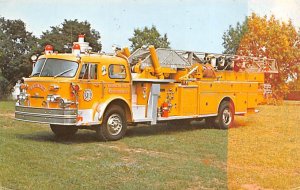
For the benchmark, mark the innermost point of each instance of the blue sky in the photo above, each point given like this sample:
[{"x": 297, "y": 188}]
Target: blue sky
[{"x": 190, "y": 24}]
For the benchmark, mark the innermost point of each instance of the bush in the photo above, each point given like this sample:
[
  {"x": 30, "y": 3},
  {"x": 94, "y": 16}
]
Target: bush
[{"x": 4, "y": 88}]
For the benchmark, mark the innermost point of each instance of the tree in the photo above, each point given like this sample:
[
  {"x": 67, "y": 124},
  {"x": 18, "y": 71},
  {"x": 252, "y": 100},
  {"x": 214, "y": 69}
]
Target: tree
[
  {"x": 16, "y": 46},
  {"x": 148, "y": 36},
  {"x": 232, "y": 37},
  {"x": 271, "y": 38},
  {"x": 67, "y": 33}
]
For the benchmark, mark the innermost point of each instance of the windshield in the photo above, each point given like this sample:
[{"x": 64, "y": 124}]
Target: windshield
[{"x": 54, "y": 68}]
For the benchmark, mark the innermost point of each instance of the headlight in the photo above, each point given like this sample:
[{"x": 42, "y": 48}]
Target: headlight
[
  {"x": 56, "y": 97},
  {"x": 48, "y": 98},
  {"x": 64, "y": 103},
  {"x": 53, "y": 98}
]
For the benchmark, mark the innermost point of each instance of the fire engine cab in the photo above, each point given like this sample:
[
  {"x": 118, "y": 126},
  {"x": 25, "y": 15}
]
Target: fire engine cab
[{"x": 105, "y": 93}]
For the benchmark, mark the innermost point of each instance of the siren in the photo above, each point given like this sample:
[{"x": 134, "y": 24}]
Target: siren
[
  {"x": 76, "y": 49},
  {"x": 81, "y": 44},
  {"x": 81, "y": 38},
  {"x": 48, "y": 49}
]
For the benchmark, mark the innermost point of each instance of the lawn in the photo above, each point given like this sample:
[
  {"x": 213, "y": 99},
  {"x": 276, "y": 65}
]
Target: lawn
[
  {"x": 261, "y": 151},
  {"x": 149, "y": 157},
  {"x": 264, "y": 149}
]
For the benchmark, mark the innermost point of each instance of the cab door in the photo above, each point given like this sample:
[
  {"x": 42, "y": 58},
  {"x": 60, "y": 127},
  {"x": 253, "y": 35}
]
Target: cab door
[{"x": 90, "y": 91}]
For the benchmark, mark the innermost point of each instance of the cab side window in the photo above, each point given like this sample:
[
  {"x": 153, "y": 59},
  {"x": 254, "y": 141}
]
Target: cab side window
[
  {"x": 88, "y": 71},
  {"x": 117, "y": 71}
]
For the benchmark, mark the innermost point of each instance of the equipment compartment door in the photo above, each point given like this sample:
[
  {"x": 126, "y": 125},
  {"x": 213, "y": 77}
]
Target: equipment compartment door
[{"x": 188, "y": 100}]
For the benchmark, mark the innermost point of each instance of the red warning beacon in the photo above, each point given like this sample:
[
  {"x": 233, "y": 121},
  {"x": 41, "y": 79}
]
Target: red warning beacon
[
  {"x": 76, "y": 49},
  {"x": 48, "y": 49}
]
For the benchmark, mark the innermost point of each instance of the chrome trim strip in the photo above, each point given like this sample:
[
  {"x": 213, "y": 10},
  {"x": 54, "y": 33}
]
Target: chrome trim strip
[
  {"x": 142, "y": 120},
  {"x": 185, "y": 117},
  {"x": 56, "y": 111},
  {"x": 47, "y": 108},
  {"x": 43, "y": 122},
  {"x": 46, "y": 115},
  {"x": 174, "y": 118},
  {"x": 240, "y": 113}
]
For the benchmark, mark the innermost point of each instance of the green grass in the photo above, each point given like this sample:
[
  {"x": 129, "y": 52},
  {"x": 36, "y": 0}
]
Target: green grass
[
  {"x": 149, "y": 157},
  {"x": 264, "y": 151},
  {"x": 7, "y": 106}
]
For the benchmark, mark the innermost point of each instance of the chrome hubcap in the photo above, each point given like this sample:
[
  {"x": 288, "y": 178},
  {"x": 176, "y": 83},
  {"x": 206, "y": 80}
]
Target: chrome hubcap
[
  {"x": 114, "y": 124},
  {"x": 227, "y": 117}
]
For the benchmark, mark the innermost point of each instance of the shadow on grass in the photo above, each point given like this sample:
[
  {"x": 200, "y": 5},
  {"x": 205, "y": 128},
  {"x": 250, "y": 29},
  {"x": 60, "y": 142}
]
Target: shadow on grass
[
  {"x": 87, "y": 136},
  {"x": 159, "y": 129},
  {"x": 82, "y": 136}
]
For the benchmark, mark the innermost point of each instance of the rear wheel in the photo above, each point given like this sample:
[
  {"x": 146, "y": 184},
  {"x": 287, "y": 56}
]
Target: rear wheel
[
  {"x": 63, "y": 130},
  {"x": 113, "y": 126},
  {"x": 225, "y": 116}
]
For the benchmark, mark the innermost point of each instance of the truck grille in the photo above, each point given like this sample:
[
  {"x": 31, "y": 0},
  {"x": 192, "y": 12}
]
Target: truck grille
[{"x": 46, "y": 115}]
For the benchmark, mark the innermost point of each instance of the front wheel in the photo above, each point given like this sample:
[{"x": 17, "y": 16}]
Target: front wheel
[
  {"x": 114, "y": 124},
  {"x": 63, "y": 131}
]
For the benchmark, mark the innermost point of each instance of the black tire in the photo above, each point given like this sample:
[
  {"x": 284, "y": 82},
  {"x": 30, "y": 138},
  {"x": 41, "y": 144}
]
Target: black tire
[
  {"x": 225, "y": 117},
  {"x": 113, "y": 126},
  {"x": 63, "y": 130},
  {"x": 178, "y": 123}
]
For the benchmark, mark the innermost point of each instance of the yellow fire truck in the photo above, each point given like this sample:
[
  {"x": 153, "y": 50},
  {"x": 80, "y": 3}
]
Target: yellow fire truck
[{"x": 105, "y": 93}]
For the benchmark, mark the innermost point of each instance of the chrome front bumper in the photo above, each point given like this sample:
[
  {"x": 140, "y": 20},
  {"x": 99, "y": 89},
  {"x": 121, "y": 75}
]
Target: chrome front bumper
[{"x": 46, "y": 115}]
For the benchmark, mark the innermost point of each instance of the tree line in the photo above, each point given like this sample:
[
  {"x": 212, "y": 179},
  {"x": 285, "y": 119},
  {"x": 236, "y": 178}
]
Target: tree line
[{"x": 256, "y": 36}]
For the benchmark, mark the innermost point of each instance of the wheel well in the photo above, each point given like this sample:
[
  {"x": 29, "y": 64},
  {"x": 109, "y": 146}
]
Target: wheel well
[
  {"x": 227, "y": 99},
  {"x": 123, "y": 105}
]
